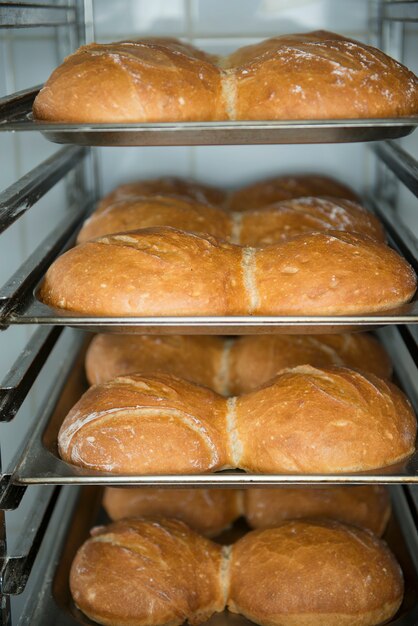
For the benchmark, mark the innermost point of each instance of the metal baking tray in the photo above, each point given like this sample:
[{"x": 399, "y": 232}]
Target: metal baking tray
[
  {"x": 55, "y": 605},
  {"x": 216, "y": 133},
  {"x": 33, "y": 311},
  {"x": 40, "y": 463}
]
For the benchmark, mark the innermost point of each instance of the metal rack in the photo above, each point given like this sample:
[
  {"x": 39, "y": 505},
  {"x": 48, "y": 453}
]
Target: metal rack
[{"x": 37, "y": 462}]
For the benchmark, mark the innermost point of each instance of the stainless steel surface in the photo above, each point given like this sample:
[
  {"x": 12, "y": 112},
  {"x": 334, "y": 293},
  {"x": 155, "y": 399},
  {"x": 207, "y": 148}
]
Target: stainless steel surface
[
  {"x": 400, "y": 162},
  {"x": 22, "y": 374},
  {"x": 55, "y": 605},
  {"x": 34, "y": 312},
  {"x": 215, "y": 133},
  {"x": 40, "y": 462},
  {"x": 400, "y": 10},
  {"x": 24, "y": 193},
  {"x": 27, "y": 15}
]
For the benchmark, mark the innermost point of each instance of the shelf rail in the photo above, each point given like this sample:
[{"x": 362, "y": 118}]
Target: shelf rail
[{"x": 29, "y": 15}]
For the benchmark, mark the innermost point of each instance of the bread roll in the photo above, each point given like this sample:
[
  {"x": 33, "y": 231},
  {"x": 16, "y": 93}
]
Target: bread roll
[
  {"x": 261, "y": 227},
  {"x": 199, "y": 359},
  {"x": 314, "y": 574},
  {"x": 208, "y": 511},
  {"x": 331, "y": 273},
  {"x": 230, "y": 367},
  {"x": 306, "y": 420},
  {"x": 310, "y": 420},
  {"x": 149, "y": 80},
  {"x": 256, "y": 359},
  {"x": 163, "y": 271},
  {"x": 143, "y": 212},
  {"x": 147, "y": 573},
  {"x": 167, "y": 185},
  {"x": 366, "y": 507},
  {"x": 317, "y": 75},
  {"x": 286, "y": 219},
  {"x": 278, "y": 188},
  {"x": 147, "y": 425},
  {"x": 304, "y": 76}
]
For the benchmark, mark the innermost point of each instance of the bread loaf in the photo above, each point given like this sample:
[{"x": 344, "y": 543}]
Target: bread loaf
[
  {"x": 366, "y": 507},
  {"x": 314, "y": 574},
  {"x": 311, "y": 420},
  {"x": 230, "y": 367},
  {"x": 304, "y": 76},
  {"x": 148, "y": 573},
  {"x": 317, "y": 75},
  {"x": 143, "y": 212},
  {"x": 167, "y": 185},
  {"x": 272, "y": 224},
  {"x": 149, "y": 80},
  {"x": 278, "y": 188},
  {"x": 307, "y": 420},
  {"x": 208, "y": 511},
  {"x": 147, "y": 425},
  {"x": 163, "y": 271}
]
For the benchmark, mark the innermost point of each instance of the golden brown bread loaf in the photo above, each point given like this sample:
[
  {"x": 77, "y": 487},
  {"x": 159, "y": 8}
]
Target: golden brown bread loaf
[
  {"x": 148, "y": 573},
  {"x": 164, "y": 271},
  {"x": 311, "y": 420},
  {"x": 261, "y": 227},
  {"x": 306, "y": 420},
  {"x": 278, "y": 188},
  {"x": 152, "y": 80},
  {"x": 363, "y": 506},
  {"x": 142, "y": 424},
  {"x": 167, "y": 185},
  {"x": 317, "y": 75},
  {"x": 314, "y": 574},
  {"x": 303, "y": 76},
  {"x": 230, "y": 367},
  {"x": 208, "y": 511},
  {"x": 143, "y": 212},
  {"x": 254, "y": 360}
]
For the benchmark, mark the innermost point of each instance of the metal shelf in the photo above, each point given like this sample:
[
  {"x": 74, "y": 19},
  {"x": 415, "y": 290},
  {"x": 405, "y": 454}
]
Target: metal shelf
[
  {"x": 28, "y": 15},
  {"x": 52, "y": 603},
  {"x": 16, "y": 115},
  {"x": 39, "y": 462}
]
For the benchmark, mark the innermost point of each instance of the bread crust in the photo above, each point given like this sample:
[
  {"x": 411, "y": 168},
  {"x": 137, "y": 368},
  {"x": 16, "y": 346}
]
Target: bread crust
[
  {"x": 230, "y": 366},
  {"x": 208, "y": 511},
  {"x": 273, "y": 224},
  {"x": 310, "y": 420},
  {"x": 147, "y": 573},
  {"x": 313, "y": 573},
  {"x": 287, "y": 187},
  {"x": 303, "y": 76},
  {"x": 365, "y": 506},
  {"x": 307, "y": 420},
  {"x": 164, "y": 271}
]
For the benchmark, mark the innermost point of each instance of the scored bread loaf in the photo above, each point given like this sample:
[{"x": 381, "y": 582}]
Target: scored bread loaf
[
  {"x": 303, "y": 76},
  {"x": 142, "y": 212},
  {"x": 261, "y": 227},
  {"x": 366, "y": 507},
  {"x": 208, "y": 511},
  {"x": 307, "y": 573},
  {"x": 230, "y": 366},
  {"x": 148, "y": 573},
  {"x": 278, "y": 188},
  {"x": 306, "y": 420},
  {"x": 171, "y": 186},
  {"x": 164, "y": 271}
]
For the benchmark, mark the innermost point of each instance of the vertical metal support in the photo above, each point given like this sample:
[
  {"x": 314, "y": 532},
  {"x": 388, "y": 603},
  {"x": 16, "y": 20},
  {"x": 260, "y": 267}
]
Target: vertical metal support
[{"x": 5, "y": 613}]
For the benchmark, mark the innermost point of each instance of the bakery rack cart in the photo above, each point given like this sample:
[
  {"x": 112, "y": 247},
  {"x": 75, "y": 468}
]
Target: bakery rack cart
[{"x": 36, "y": 474}]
